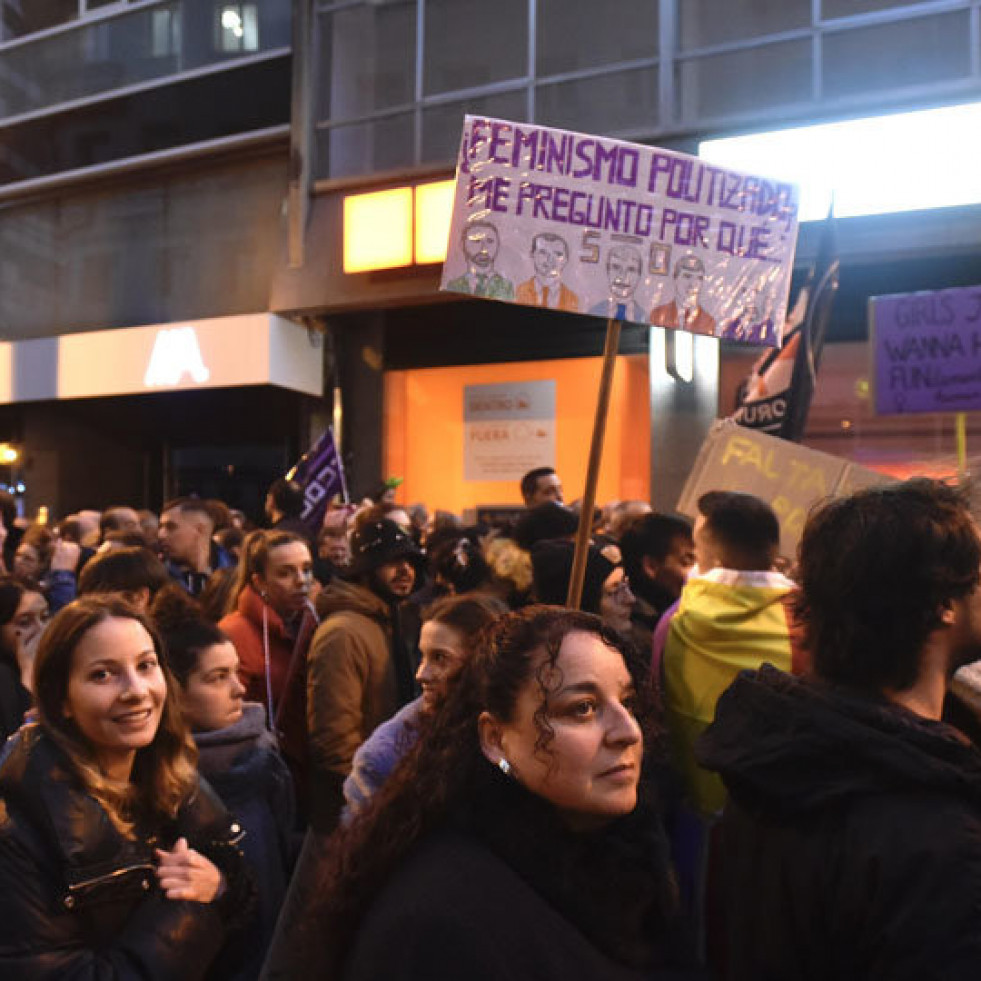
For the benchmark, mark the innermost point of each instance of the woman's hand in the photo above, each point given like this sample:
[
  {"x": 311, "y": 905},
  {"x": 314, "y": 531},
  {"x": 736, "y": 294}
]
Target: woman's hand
[{"x": 186, "y": 874}]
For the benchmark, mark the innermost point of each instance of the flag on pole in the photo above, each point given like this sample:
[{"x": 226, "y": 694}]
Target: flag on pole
[
  {"x": 776, "y": 396},
  {"x": 320, "y": 472}
]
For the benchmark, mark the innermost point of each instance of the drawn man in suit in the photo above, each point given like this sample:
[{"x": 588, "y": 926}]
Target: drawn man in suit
[
  {"x": 752, "y": 322},
  {"x": 624, "y": 269},
  {"x": 549, "y": 254},
  {"x": 480, "y": 244},
  {"x": 684, "y": 310}
]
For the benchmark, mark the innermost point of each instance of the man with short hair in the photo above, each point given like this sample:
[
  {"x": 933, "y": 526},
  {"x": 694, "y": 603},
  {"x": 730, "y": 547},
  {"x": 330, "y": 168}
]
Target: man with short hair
[
  {"x": 186, "y": 527},
  {"x": 549, "y": 255},
  {"x": 624, "y": 271},
  {"x": 852, "y": 834},
  {"x": 120, "y": 518},
  {"x": 658, "y": 553},
  {"x": 481, "y": 241},
  {"x": 541, "y": 486},
  {"x": 685, "y": 310},
  {"x": 284, "y": 506},
  {"x": 361, "y": 664},
  {"x": 733, "y": 614}
]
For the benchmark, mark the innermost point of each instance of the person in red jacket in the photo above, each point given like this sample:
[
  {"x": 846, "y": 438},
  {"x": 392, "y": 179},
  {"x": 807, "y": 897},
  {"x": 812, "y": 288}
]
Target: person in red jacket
[{"x": 271, "y": 622}]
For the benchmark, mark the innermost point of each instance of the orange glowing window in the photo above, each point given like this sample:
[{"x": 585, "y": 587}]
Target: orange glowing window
[
  {"x": 434, "y": 208},
  {"x": 378, "y": 230}
]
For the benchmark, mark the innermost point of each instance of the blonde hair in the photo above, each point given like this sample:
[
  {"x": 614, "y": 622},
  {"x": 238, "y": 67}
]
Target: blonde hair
[
  {"x": 509, "y": 562},
  {"x": 164, "y": 773}
]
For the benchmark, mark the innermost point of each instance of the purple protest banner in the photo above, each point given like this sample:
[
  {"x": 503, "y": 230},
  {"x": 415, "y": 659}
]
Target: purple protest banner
[
  {"x": 926, "y": 351},
  {"x": 320, "y": 473}
]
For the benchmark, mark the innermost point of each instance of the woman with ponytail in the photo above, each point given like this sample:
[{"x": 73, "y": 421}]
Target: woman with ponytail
[{"x": 271, "y": 622}]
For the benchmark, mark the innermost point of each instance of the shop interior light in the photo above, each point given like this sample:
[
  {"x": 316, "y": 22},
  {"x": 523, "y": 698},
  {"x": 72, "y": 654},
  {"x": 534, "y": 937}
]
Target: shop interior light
[
  {"x": 378, "y": 230},
  {"x": 907, "y": 161},
  {"x": 434, "y": 209},
  {"x": 8, "y": 453}
]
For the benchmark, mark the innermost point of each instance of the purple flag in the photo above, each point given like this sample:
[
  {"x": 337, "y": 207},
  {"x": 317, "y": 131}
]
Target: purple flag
[{"x": 320, "y": 473}]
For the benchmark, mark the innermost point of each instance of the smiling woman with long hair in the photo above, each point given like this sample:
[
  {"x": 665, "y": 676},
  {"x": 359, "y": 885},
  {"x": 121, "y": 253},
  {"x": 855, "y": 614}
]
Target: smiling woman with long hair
[
  {"x": 517, "y": 838},
  {"x": 115, "y": 860}
]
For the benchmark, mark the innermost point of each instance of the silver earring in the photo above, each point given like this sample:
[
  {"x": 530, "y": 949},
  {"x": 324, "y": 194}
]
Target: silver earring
[{"x": 504, "y": 766}]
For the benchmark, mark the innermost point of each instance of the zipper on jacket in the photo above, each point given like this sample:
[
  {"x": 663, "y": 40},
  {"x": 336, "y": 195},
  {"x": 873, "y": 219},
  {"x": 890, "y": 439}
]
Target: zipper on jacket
[{"x": 79, "y": 888}]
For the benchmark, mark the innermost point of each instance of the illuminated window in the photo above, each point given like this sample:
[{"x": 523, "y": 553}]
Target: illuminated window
[
  {"x": 434, "y": 209},
  {"x": 237, "y": 27},
  {"x": 378, "y": 230},
  {"x": 872, "y": 166}
]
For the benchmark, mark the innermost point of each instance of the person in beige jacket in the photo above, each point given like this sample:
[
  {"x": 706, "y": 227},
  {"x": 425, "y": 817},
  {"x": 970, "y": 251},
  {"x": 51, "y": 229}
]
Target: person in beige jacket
[{"x": 360, "y": 665}]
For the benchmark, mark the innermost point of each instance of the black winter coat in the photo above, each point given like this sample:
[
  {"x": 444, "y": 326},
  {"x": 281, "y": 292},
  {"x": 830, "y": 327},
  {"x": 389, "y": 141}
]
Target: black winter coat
[
  {"x": 80, "y": 901},
  {"x": 502, "y": 892},
  {"x": 851, "y": 843}
]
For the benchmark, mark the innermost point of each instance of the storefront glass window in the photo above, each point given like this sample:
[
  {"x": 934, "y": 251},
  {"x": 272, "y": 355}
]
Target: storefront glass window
[
  {"x": 612, "y": 104},
  {"x": 443, "y": 125},
  {"x": 370, "y": 147},
  {"x": 846, "y": 8},
  {"x": 20, "y": 17},
  {"x": 472, "y": 42},
  {"x": 745, "y": 81},
  {"x": 575, "y": 34},
  {"x": 927, "y": 49},
  {"x": 369, "y": 58},
  {"x": 705, "y": 22}
]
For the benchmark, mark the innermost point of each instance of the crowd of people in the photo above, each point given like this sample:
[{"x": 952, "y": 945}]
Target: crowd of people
[{"x": 385, "y": 747}]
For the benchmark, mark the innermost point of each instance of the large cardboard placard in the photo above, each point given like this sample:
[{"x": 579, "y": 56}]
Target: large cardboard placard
[
  {"x": 926, "y": 351},
  {"x": 551, "y": 218},
  {"x": 789, "y": 476}
]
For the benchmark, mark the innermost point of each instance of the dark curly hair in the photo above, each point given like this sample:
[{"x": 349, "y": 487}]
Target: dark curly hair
[
  {"x": 876, "y": 569},
  {"x": 439, "y": 772}
]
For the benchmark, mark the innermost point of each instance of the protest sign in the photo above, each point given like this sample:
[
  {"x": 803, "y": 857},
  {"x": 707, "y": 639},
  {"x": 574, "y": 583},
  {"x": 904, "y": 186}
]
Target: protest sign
[
  {"x": 788, "y": 476},
  {"x": 320, "y": 473},
  {"x": 508, "y": 429},
  {"x": 926, "y": 351},
  {"x": 550, "y": 218}
]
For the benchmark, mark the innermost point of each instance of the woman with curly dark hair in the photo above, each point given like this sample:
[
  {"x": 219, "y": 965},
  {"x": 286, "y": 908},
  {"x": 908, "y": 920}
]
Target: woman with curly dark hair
[
  {"x": 115, "y": 860},
  {"x": 516, "y": 839}
]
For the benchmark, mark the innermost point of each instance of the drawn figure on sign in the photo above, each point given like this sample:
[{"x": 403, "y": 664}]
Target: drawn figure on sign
[
  {"x": 480, "y": 244},
  {"x": 549, "y": 254},
  {"x": 750, "y": 323},
  {"x": 624, "y": 269},
  {"x": 685, "y": 310}
]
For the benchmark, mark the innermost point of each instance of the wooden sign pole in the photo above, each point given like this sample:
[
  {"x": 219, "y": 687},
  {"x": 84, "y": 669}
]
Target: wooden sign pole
[{"x": 592, "y": 471}]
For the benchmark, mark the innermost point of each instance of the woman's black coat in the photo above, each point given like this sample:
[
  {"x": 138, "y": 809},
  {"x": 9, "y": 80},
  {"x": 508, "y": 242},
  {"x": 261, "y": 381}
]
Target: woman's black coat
[{"x": 78, "y": 900}]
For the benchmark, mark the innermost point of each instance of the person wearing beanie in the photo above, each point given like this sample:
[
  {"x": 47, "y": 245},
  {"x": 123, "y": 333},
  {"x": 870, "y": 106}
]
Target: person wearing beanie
[
  {"x": 361, "y": 664},
  {"x": 605, "y": 589}
]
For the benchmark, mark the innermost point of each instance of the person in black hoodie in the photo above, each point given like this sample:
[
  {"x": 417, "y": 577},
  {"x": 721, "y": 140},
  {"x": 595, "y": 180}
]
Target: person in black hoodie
[
  {"x": 516, "y": 840},
  {"x": 116, "y": 861},
  {"x": 238, "y": 757},
  {"x": 851, "y": 842}
]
